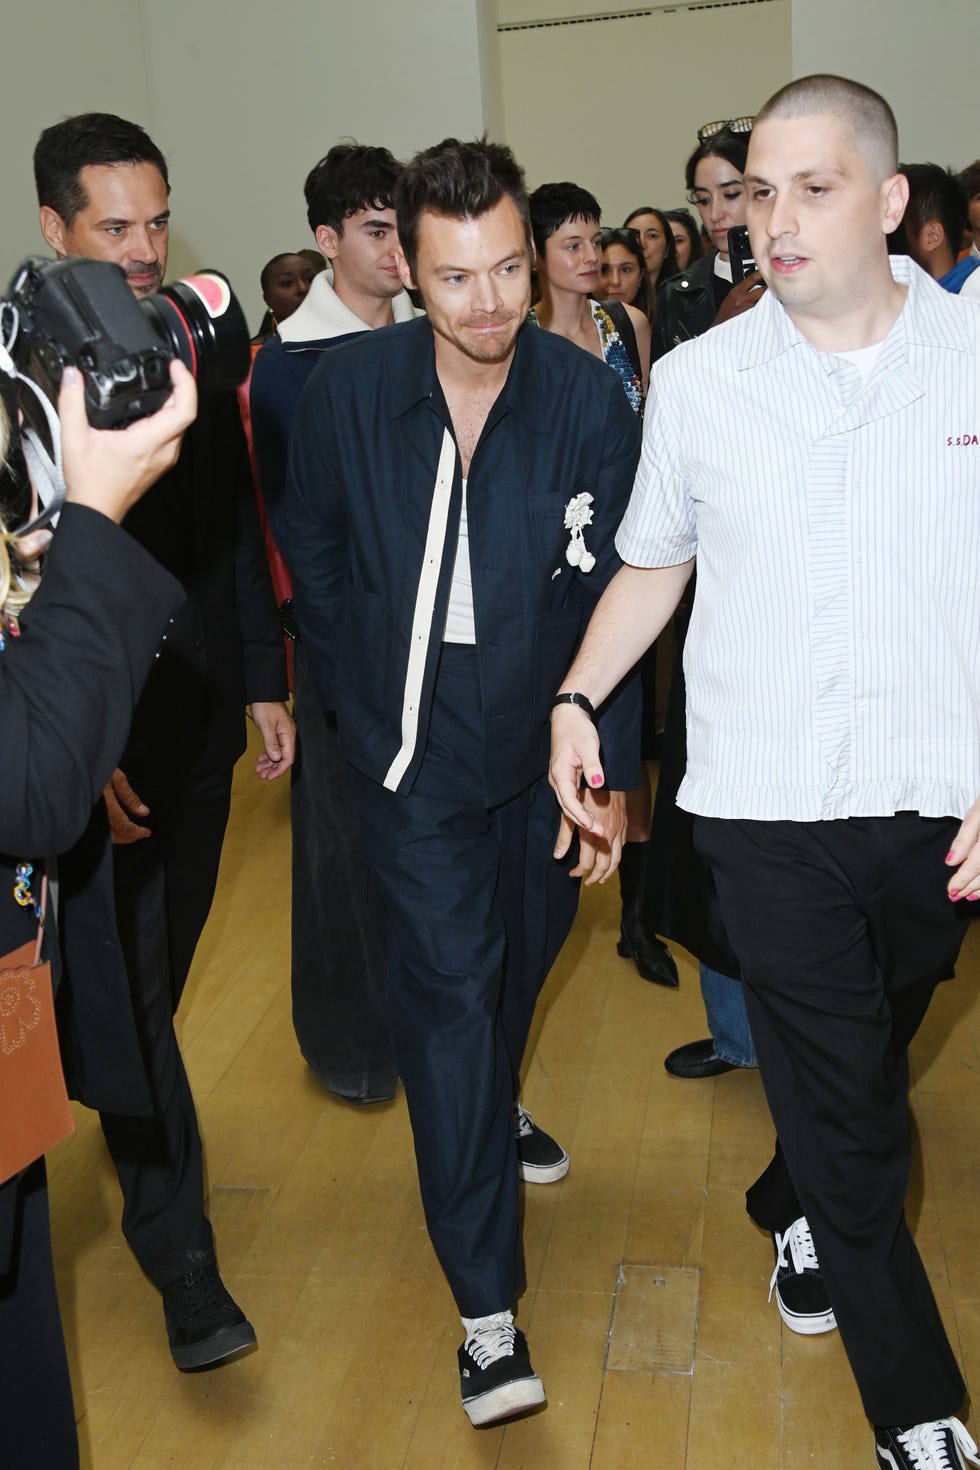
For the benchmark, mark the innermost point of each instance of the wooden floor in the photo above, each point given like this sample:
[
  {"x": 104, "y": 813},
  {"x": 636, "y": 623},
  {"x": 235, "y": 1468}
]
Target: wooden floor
[{"x": 646, "y": 1308}]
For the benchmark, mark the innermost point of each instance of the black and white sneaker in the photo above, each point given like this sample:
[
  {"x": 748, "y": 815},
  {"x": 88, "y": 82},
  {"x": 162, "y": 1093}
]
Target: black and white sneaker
[
  {"x": 942, "y": 1444},
  {"x": 800, "y": 1292},
  {"x": 495, "y": 1374},
  {"x": 540, "y": 1159}
]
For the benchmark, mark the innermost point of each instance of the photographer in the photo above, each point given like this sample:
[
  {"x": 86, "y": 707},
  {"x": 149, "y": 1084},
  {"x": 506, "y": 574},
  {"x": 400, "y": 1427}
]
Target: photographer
[{"x": 74, "y": 659}]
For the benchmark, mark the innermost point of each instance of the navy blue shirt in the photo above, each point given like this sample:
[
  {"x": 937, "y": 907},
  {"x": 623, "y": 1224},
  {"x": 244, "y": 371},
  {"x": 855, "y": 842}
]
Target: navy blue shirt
[{"x": 366, "y": 442}]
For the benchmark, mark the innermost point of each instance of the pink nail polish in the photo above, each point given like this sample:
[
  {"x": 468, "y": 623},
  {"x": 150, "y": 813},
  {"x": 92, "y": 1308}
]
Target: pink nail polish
[
  {"x": 972, "y": 897},
  {"x": 949, "y": 857},
  {"x": 954, "y": 893},
  {"x": 595, "y": 780}
]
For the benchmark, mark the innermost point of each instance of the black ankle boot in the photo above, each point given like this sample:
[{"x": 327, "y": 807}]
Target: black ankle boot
[{"x": 651, "y": 956}]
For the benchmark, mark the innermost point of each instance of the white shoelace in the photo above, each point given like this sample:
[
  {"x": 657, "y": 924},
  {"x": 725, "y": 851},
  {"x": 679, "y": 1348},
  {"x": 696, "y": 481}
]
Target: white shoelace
[
  {"x": 926, "y": 1445},
  {"x": 801, "y": 1251},
  {"x": 525, "y": 1125},
  {"x": 489, "y": 1338}
]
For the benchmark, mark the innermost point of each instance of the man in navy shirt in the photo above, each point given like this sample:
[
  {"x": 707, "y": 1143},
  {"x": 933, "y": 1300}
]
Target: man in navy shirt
[{"x": 455, "y": 483}]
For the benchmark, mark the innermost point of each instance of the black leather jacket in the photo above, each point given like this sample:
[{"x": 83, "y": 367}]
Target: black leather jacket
[{"x": 685, "y": 306}]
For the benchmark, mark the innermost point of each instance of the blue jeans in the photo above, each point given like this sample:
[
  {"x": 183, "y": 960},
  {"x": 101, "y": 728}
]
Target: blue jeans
[{"x": 724, "y": 1005}]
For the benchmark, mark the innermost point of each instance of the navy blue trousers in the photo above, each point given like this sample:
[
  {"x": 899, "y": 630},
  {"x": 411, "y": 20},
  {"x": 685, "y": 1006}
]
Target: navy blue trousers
[{"x": 477, "y": 910}]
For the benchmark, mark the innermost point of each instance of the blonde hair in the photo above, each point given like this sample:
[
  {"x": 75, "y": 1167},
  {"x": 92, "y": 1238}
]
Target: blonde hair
[{"x": 12, "y": 596}]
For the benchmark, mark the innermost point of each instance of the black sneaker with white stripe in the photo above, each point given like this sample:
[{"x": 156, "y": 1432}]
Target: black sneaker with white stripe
[
  {"x": 942, "y": 1444},
  {"x": 801, "y": 1295},
  {"x": 495, "y": 1374},
  {"x": 540, "y": 1158}
]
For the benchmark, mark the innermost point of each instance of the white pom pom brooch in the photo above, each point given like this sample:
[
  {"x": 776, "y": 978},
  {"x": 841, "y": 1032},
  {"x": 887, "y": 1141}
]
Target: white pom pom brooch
[{"x": 578, "y": 515}]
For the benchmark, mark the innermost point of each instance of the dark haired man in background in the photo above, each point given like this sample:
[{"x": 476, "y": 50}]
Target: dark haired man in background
[
  {"x": 339, "y": 949},
  {"x": 454, "y": 487},
  {"x": 933, "y": 225},
  {"x": 133, "y": 912}
]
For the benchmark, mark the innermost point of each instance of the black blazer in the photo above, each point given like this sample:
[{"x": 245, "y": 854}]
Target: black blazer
[
  {"x": 67, "y": 690},
  {"x": 223, "y": 650}
]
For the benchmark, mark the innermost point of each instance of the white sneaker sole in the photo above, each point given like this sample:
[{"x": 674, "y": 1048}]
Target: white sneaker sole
[
  {"x": 807, "y": 1326},
  {"x": 543, "y": 1173},
  {"x": 506, "y": 1401}
]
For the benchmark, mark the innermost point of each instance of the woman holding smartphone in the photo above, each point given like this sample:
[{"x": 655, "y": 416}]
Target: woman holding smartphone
[
  {"x": 679, "y": 897},
  {"x": 704, "y": 295}
]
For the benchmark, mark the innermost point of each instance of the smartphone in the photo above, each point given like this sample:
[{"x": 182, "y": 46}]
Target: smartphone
[{"x": 740, "y": 253}]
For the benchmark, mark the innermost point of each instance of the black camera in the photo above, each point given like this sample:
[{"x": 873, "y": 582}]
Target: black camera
[{"x": 82, "y": 313}]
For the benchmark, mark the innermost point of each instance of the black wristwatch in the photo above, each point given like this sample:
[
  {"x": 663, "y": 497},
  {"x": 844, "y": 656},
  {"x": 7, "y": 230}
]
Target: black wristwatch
[{"x": 579, "y": 700}]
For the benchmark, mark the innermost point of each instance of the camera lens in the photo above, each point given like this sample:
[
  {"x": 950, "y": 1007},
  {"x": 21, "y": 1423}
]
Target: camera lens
[{"x": 203, "y": 321}]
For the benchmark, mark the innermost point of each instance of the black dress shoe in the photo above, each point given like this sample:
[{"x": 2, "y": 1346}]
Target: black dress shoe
[
  {"x": 697, "y": 1059},
  {"x": 205, "y": 1324},
  {"x": 649, "y": 954},
  {"x": 358, "y": 1087}
]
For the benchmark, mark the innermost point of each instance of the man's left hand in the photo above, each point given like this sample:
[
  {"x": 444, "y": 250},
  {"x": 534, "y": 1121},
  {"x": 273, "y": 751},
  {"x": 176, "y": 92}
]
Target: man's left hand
[
  {"x": 275, "y": 724},
  {"x": 965, "y": 855},
  {"x": 598, "y": 857}
]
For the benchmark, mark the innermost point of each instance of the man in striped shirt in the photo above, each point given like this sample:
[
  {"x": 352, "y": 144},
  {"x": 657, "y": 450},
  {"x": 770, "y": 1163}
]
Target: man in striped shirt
[{"x": 833, "y": 679}]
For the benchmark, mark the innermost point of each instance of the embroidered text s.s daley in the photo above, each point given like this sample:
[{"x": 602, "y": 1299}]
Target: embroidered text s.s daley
[{"x": 961, "y": 441}]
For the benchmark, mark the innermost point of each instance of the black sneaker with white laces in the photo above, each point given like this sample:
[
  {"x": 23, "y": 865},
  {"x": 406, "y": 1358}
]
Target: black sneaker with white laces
[
  {"x": 800, "y": 1292},
  {"x": 495, "y": 1374},
  {"x": 205, "y": 1324},
  {"x": 540, "y": 1158},
  {"x": 942, "y": 1444}
]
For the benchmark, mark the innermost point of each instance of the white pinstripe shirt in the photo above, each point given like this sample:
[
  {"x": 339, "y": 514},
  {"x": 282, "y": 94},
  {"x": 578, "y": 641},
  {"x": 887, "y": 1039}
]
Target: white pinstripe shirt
[{"x": 833, "y": 658}]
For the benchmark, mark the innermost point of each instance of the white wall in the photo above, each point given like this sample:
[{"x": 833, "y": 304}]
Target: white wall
[
  {"x": 922, "y": 57},
  {"x": 615, "y": 105},
  {"x": 243, "y": 100}
]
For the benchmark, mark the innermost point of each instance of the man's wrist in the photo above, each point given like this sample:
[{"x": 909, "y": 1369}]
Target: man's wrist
[{"x": 580, "y": 701}]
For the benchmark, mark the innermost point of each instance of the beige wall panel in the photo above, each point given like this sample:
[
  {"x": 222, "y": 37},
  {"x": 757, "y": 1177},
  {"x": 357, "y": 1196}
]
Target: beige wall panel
[
  {"x": 58, "y": 60},
  {"x": 615, "y": 105},
  {"x": 923, "y": 58}
]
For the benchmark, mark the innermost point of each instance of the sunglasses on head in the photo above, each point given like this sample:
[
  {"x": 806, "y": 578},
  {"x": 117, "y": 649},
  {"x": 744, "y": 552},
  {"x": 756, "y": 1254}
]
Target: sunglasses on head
[{"x": 733, "y": 124}]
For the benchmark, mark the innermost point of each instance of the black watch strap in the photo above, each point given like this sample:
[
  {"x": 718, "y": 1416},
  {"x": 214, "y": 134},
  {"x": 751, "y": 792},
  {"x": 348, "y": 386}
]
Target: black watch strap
[{"x": 579, "y": 700}]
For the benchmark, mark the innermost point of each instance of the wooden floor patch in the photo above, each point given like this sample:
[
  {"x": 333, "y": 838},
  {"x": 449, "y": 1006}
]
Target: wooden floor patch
[{"x": 654, "y": 1320}]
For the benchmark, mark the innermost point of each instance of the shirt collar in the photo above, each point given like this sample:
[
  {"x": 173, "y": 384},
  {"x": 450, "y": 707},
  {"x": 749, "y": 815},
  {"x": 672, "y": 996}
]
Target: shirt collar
[
  {"x": 322, "y": 314},
  {"x": 927, "y": 319},
  {"x": 414, "y": 377}
]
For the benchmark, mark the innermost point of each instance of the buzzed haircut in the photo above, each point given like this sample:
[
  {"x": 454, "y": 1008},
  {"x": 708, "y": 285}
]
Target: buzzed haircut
[
  {"x": 553, "y": 205},
  {"x": 459, "y": 181},
  {"x": 865, "y": 114},
  {"x": 351, "y": 177},
  {"x": 90, "y": 139},
  {"x": 935, "y": 194}
]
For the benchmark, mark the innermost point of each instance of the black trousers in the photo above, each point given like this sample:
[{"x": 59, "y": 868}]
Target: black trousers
[
  {"x": 164, "y": 886},
  {"x": 842, "y": 930},
  {"x": 36, "y": 1410},
  {"x": 339, "y": 928},
  {"x": 478, "y": 910}
]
